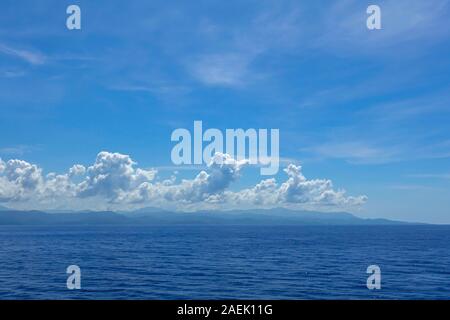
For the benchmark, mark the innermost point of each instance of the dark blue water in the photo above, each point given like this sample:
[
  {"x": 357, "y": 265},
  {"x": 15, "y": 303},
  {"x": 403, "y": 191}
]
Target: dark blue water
[{"x": 201, "y": 262}]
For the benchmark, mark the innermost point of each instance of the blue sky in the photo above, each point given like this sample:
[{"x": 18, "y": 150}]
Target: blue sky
[{"x": 368, "y": 110}]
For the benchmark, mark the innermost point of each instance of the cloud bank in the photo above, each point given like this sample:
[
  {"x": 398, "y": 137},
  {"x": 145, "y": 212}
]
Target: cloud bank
[{"x": 115, "y": 182}]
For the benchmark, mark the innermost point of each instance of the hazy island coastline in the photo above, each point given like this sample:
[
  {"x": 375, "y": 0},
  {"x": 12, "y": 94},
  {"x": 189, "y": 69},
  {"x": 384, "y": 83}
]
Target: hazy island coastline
[{"x": 153, "y": 216}]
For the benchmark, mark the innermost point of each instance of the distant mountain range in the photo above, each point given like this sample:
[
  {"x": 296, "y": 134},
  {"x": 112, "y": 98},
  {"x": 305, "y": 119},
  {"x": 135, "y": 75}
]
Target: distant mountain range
[{"x": 152, "y": 216}]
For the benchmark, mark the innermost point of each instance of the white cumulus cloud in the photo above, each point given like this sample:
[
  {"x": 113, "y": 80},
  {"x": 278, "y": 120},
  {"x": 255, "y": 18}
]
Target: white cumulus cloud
[
  {"x": 114, "y": 181},
  {"x": 112, "y": 174}
]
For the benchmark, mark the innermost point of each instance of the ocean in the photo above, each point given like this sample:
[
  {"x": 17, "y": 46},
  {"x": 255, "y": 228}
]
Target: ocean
[{"x": 225, "y": 262}]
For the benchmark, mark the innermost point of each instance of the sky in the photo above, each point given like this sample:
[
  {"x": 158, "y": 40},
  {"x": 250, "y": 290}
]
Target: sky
[{"x": 86, "y": 115}]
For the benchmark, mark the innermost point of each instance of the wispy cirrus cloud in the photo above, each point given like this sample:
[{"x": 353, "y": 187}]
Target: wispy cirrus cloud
[
  {"x": 356, "y": 152},
  {"x": 156, "y": 89},
  {"x": 18, "y": 150},
  {"x": 12, "y": 73},
  {"x": 444, "y": 176},
  {"x": 32, "y": 57},
  {"x": 402, "y": 23},
  {"x": 272, "y": 27},
  {"x": 221, "y": 69}
]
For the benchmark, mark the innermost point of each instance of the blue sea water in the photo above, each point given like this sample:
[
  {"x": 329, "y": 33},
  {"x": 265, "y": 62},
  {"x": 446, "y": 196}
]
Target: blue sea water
[{"x": 225, "y": 262}]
